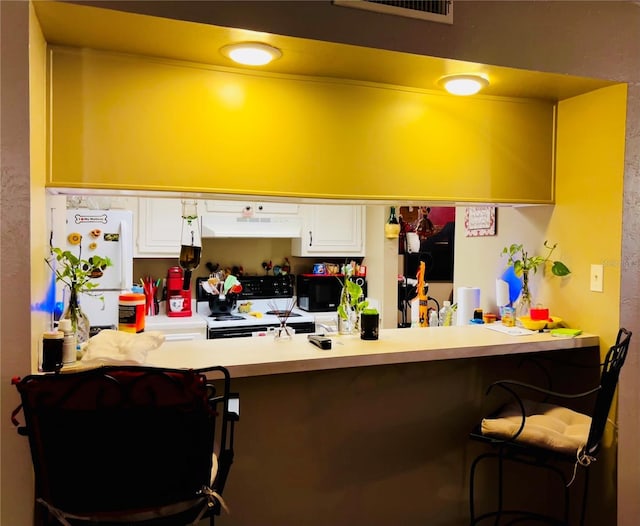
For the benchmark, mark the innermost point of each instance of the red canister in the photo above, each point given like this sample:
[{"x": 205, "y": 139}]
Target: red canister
[
  {"x": 539, "y": 313},
  {"x": 131, "y": 312}
]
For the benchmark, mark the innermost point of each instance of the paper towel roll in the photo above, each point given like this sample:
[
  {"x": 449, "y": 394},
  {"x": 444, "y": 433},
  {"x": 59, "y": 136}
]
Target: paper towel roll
[
  {"x": 502, "y": 293},
  {"x": 468, "y": 299},
  {"x": 413, "y": 242},
  {"x": 415, "y": 312}
]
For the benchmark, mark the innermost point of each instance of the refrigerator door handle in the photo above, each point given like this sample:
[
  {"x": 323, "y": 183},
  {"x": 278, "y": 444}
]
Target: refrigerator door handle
[{"x": 126, "y": 255}]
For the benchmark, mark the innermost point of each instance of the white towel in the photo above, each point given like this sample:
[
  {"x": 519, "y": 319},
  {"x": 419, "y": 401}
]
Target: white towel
[{"x": 120, "y": 347}]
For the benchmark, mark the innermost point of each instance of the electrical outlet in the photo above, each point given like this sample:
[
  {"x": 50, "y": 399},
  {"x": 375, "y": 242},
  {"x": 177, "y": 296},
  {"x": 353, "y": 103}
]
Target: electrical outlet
[{"x": 597, "y": 278}]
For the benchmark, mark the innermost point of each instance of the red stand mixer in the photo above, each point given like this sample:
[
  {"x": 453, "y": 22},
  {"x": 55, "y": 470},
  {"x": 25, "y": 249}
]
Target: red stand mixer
[{"x": 178, "y": 300}]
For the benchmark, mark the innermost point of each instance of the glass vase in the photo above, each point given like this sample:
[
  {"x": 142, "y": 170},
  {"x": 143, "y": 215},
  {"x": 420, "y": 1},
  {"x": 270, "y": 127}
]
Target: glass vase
[
  {"x": 79, "y": 322},
  {"x": 350, "y": 324},
  {"x": 283, "y": 332},
  {"x": 344, "y": 325},
  {"x": 523, "y": 303}
]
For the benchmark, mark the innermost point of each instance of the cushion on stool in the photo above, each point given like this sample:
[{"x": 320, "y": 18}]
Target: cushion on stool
[{"x": 547, "y": 426}]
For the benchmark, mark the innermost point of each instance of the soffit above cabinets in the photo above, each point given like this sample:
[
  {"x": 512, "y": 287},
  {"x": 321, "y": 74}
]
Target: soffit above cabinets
[{"x": 91, "y": 27}]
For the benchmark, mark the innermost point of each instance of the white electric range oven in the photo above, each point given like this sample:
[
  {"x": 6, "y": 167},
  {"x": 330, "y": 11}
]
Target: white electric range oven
[{"x": 263, "y": 305}]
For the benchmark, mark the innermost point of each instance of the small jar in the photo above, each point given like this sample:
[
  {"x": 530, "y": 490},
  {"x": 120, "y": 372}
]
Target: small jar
[
  {"x": 489, "y": 317},
  {"x": 508, "y": 317},
  {"x": 52, "y": 342},
  {"x": 131, "y": 316}
]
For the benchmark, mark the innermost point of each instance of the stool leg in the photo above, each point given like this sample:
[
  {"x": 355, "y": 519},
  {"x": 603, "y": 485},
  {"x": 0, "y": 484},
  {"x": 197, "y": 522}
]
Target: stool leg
[
  {"x": 583, "y": 508},
  {"x": 472, "y": 476}
]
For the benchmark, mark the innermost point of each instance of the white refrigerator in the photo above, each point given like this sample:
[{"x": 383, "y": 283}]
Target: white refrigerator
[{"x": 106, "y": 233}]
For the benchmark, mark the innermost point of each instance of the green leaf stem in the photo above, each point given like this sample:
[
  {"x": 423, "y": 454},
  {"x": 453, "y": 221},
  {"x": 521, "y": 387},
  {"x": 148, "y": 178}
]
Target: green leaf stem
[
  {"x": 75, "y": 272},
  {"x": 522, "y": 263}
]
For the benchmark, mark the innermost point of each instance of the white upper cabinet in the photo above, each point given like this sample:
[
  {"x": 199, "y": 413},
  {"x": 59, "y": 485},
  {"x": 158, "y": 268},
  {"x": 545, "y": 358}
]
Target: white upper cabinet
[
  {"x": 327, "y": 230},
  {"x": 158, "y": 228},
  {"x": 331, "y": 230},
  {"x": 160, "y": 221}
]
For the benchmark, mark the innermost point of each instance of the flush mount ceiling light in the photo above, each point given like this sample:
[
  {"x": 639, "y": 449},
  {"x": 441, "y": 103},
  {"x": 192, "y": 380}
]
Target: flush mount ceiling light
[
  {"x": 464, "y": 84},
  {"x": 251, "y": 53}
]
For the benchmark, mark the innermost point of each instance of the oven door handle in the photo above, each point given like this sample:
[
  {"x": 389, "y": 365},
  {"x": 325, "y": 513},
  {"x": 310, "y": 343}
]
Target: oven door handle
[{"x": 183, "y": 337}]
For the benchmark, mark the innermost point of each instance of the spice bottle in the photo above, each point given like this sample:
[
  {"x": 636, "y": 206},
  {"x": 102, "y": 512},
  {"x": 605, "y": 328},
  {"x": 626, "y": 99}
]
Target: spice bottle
[{"x": 69, "y": 342}]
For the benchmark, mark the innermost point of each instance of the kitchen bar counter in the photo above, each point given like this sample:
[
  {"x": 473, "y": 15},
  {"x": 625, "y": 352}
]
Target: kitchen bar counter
[
  {"x": 344, "y": 443},
  {"x": 246, "y": 357}
]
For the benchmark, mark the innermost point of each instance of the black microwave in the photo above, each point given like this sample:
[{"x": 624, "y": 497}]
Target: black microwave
[{"x": 321, "y": 292}]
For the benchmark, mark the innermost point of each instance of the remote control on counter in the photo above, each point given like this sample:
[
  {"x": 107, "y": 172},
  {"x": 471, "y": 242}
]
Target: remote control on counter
[{"x": 320, "y": 341}]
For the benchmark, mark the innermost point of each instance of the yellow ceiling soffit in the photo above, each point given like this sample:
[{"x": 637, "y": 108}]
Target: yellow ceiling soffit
[{"x": 91, "y": 27}]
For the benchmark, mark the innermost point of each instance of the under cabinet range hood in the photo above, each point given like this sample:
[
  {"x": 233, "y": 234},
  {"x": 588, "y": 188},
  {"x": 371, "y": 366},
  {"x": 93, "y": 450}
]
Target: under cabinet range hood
[{"x": 232, "y": 225}]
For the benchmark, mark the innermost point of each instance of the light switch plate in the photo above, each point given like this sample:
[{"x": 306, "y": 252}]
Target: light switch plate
[{"x": 597, "y": 278}]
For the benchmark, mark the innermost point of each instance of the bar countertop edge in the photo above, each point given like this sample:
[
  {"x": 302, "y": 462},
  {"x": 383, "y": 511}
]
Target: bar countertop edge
[{"x": 245, "y": 357}]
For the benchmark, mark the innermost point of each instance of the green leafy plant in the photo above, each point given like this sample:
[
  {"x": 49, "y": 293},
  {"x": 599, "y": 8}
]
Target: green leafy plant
[
  {"x": 522, "y": 263},
  {"x": 75, "y": 272},
  {"x": 350, "y": 299}
]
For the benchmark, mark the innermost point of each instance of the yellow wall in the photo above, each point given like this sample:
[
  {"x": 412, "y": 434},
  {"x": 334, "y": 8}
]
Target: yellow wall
[
  {"x": 129, "y": 122},
  {"x": 587, "y": 219},
  {"x": 587, "y": 223}
]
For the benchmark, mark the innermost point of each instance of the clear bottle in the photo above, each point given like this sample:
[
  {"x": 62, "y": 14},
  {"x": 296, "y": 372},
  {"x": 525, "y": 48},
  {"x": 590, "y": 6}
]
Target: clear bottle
[
  {"x": 446, "y": 314},
  {"x": 433, "y": 319},
  {"x": 69, "y": 342}
]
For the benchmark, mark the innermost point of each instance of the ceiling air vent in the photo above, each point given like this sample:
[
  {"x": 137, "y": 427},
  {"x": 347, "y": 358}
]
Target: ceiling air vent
[{"x": 432, "y": 10}]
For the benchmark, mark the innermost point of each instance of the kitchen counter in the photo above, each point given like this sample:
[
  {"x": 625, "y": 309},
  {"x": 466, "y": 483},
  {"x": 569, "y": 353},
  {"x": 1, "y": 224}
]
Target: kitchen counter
[
  {"x": 245, "y": 357},
  {"x": 339, "y": 436}
]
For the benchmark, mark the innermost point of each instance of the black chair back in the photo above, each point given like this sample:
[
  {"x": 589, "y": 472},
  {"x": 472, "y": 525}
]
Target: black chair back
[
  {"x": 611, "y": 367},
  {"x": 119, "y": 438}
]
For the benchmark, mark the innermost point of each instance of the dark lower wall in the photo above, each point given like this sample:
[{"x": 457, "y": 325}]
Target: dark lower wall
[{"x": 374, "y": 445}]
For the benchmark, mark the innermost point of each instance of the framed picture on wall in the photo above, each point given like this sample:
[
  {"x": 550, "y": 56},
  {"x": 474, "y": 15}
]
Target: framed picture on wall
[{"x": 480, "y": 221}]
